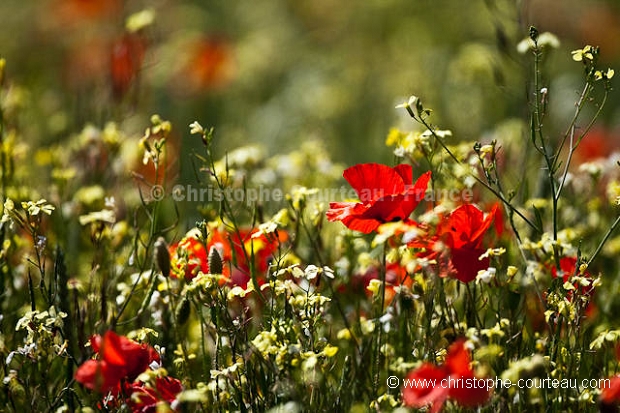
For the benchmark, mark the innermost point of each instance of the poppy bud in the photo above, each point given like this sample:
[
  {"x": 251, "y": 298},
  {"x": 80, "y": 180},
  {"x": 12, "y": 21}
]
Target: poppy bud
[
  {"x": 182, "y": 311},
  {"x": 162, "y": 256},
  {"x": 215, "y": 262}
]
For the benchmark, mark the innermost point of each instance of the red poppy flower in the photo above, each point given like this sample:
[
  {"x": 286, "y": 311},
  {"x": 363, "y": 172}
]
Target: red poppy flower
[
  {"x": 190, "y": 256},
  {"x": 74, "y": 12},
  {"x": 207, "y": 64},
  {"x": 454, "y": 380},
  {"x": 99, "y": 375},
  {"x": 462, "y": 232},
  {"x": 211, "y": 64},
  {"x": 456, "y": 245},
  {"x": 386, "y": 194},
  {"x": 119, "y": 358},
  {"x": 610, "y": 391},
  {"x": 142, "y": 398},
  {"x": 395, "y": 276},
  {"x": 250, "y": 246},
  {"x": 126, "y": 60},
  {"x": 568, "y": 268},
  {"x": 610, "y": 395}
]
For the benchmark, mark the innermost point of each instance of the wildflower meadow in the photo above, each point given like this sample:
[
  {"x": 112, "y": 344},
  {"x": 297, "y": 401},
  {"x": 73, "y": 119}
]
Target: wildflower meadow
[{"x": 149, "y": 265}]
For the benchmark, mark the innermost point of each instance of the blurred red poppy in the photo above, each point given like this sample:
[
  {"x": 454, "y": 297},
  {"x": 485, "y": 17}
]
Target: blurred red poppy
[
  {"x": 253, "y": 251},
  {"x": 456, "y": 245},
  {"x": 386, "y": 194},
  {"x": 142, "y": 398},
  {"x": 209, "y": 64},
  {"x": 119, "y": 358},
  {"x": 454, "y": 380},
  {"x": 188, "y": 257},
  {"x": 126, "y": 57},
  {"x": 568, "y": 268},
  {"x": 610, "y": 395},
  {"x": 237, "y": 251},
  {"x": 462, "y": 233},
  {"x": 68, "y": 12}
]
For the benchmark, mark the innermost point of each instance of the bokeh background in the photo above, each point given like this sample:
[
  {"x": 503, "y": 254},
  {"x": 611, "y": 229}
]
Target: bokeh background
[{"x": 281, "y": 72}]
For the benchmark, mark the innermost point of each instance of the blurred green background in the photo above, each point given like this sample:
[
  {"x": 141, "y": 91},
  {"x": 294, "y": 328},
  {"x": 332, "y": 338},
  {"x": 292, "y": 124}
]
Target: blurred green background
[{"x": 280, "y": 72}]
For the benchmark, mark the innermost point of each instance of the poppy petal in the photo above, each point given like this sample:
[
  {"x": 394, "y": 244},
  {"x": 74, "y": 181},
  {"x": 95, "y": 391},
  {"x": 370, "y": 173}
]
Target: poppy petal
[
  {"x": 423, "y": 387},
  {"x": 372, "y": 181},
  {"x": 111, "y": 349},
  {"x": 469, "y": 395},
  {"x": 354, "y": 216},
  {"x": 99, "y": 376},
  {"x": 458, "y": 360},
  {"x": 415, "y": 193},
  {"x": 406, "y": 172}
]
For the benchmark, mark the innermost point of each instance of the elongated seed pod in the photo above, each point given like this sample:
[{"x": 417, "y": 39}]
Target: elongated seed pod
[
  {"x": 162, "y": 256},
  {"x": 215, "y": 262},
  {"x": 182, "y": 311}
]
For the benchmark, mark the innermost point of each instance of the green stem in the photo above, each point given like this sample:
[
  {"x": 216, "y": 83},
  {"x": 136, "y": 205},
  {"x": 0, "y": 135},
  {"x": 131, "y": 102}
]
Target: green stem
[
  {"x": 583, "y": 134},
  {"x": 438, "y": 139},
  {"x": 604, "y": 240},
  {"x": 380, "y": 332}
]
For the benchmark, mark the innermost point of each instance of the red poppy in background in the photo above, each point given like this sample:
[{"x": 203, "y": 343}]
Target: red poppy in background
[
  {"x": 568, "y": 268},
  {"x": 188, "y": 257},
  {"x": 255, "y": 248},
  {"x": 211, "y": 64},
  {"x": 143, "y": 398},
  {"x": 126, "y": 57},
  {"x": 457, "y": 244},
  {"x": 207, "y": 64},
  {"x": 454, "y": 380},
  {"x": 119, "y": 358},
  {"x": 237, "y": 250},
  {"x": 462, "y": 233},
  {"x": 386, "y": 194},
  {"x": 609, "y": 401},
  {"x": 610, "y": 395},
  {"x": 396, "y": 275},
  {"x": 73, "y": 12}
]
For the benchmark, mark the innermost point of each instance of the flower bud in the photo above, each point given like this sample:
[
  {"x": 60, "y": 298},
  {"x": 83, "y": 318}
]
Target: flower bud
[
  {"x": 162, "y": 256},
  {"x": 182, "y": 311},
  {"x": 216, "y": 265}
]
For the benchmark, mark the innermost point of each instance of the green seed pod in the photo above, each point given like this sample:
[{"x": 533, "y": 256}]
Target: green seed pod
[
  {"x": 162, "y": 256},
  {"x": 216, "y": 266},
  {"x": 182, "y": 311}
]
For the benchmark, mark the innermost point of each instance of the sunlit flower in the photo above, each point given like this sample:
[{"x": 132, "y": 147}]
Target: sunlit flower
[
  {"x": 485, "y": 276},
  {"x": 458, "y": 241},
  {"x": 196, "y": 128},
  {"x": 544, "y": 39},
  {"x": 35, "y": 208},
  {"x": 586, "y": 53},
  {"x": 386, "y": 194}
]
